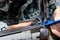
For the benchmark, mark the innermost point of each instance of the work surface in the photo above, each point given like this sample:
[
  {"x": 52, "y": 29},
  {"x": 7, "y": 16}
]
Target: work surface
[
  {"x": 27, "y": 33},
  {"x": 23, "y": 36}
]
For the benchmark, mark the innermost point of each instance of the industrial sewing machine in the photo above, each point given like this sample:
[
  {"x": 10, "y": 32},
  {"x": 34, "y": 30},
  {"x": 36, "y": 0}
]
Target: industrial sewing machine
[{"x": 18, "y": 11}]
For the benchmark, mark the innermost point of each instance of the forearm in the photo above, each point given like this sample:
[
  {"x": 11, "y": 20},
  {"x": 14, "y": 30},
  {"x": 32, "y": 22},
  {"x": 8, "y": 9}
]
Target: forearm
[{"x": 19, "y": 25}]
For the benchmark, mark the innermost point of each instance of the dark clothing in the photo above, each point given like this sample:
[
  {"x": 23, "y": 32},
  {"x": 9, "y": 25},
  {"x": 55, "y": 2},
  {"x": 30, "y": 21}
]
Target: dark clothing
[{"x": 14, "y": 8}]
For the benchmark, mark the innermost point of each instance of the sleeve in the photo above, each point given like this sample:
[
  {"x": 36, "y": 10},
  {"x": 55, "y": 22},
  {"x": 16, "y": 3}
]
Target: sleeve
[{"x": 3, "y": 26}]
